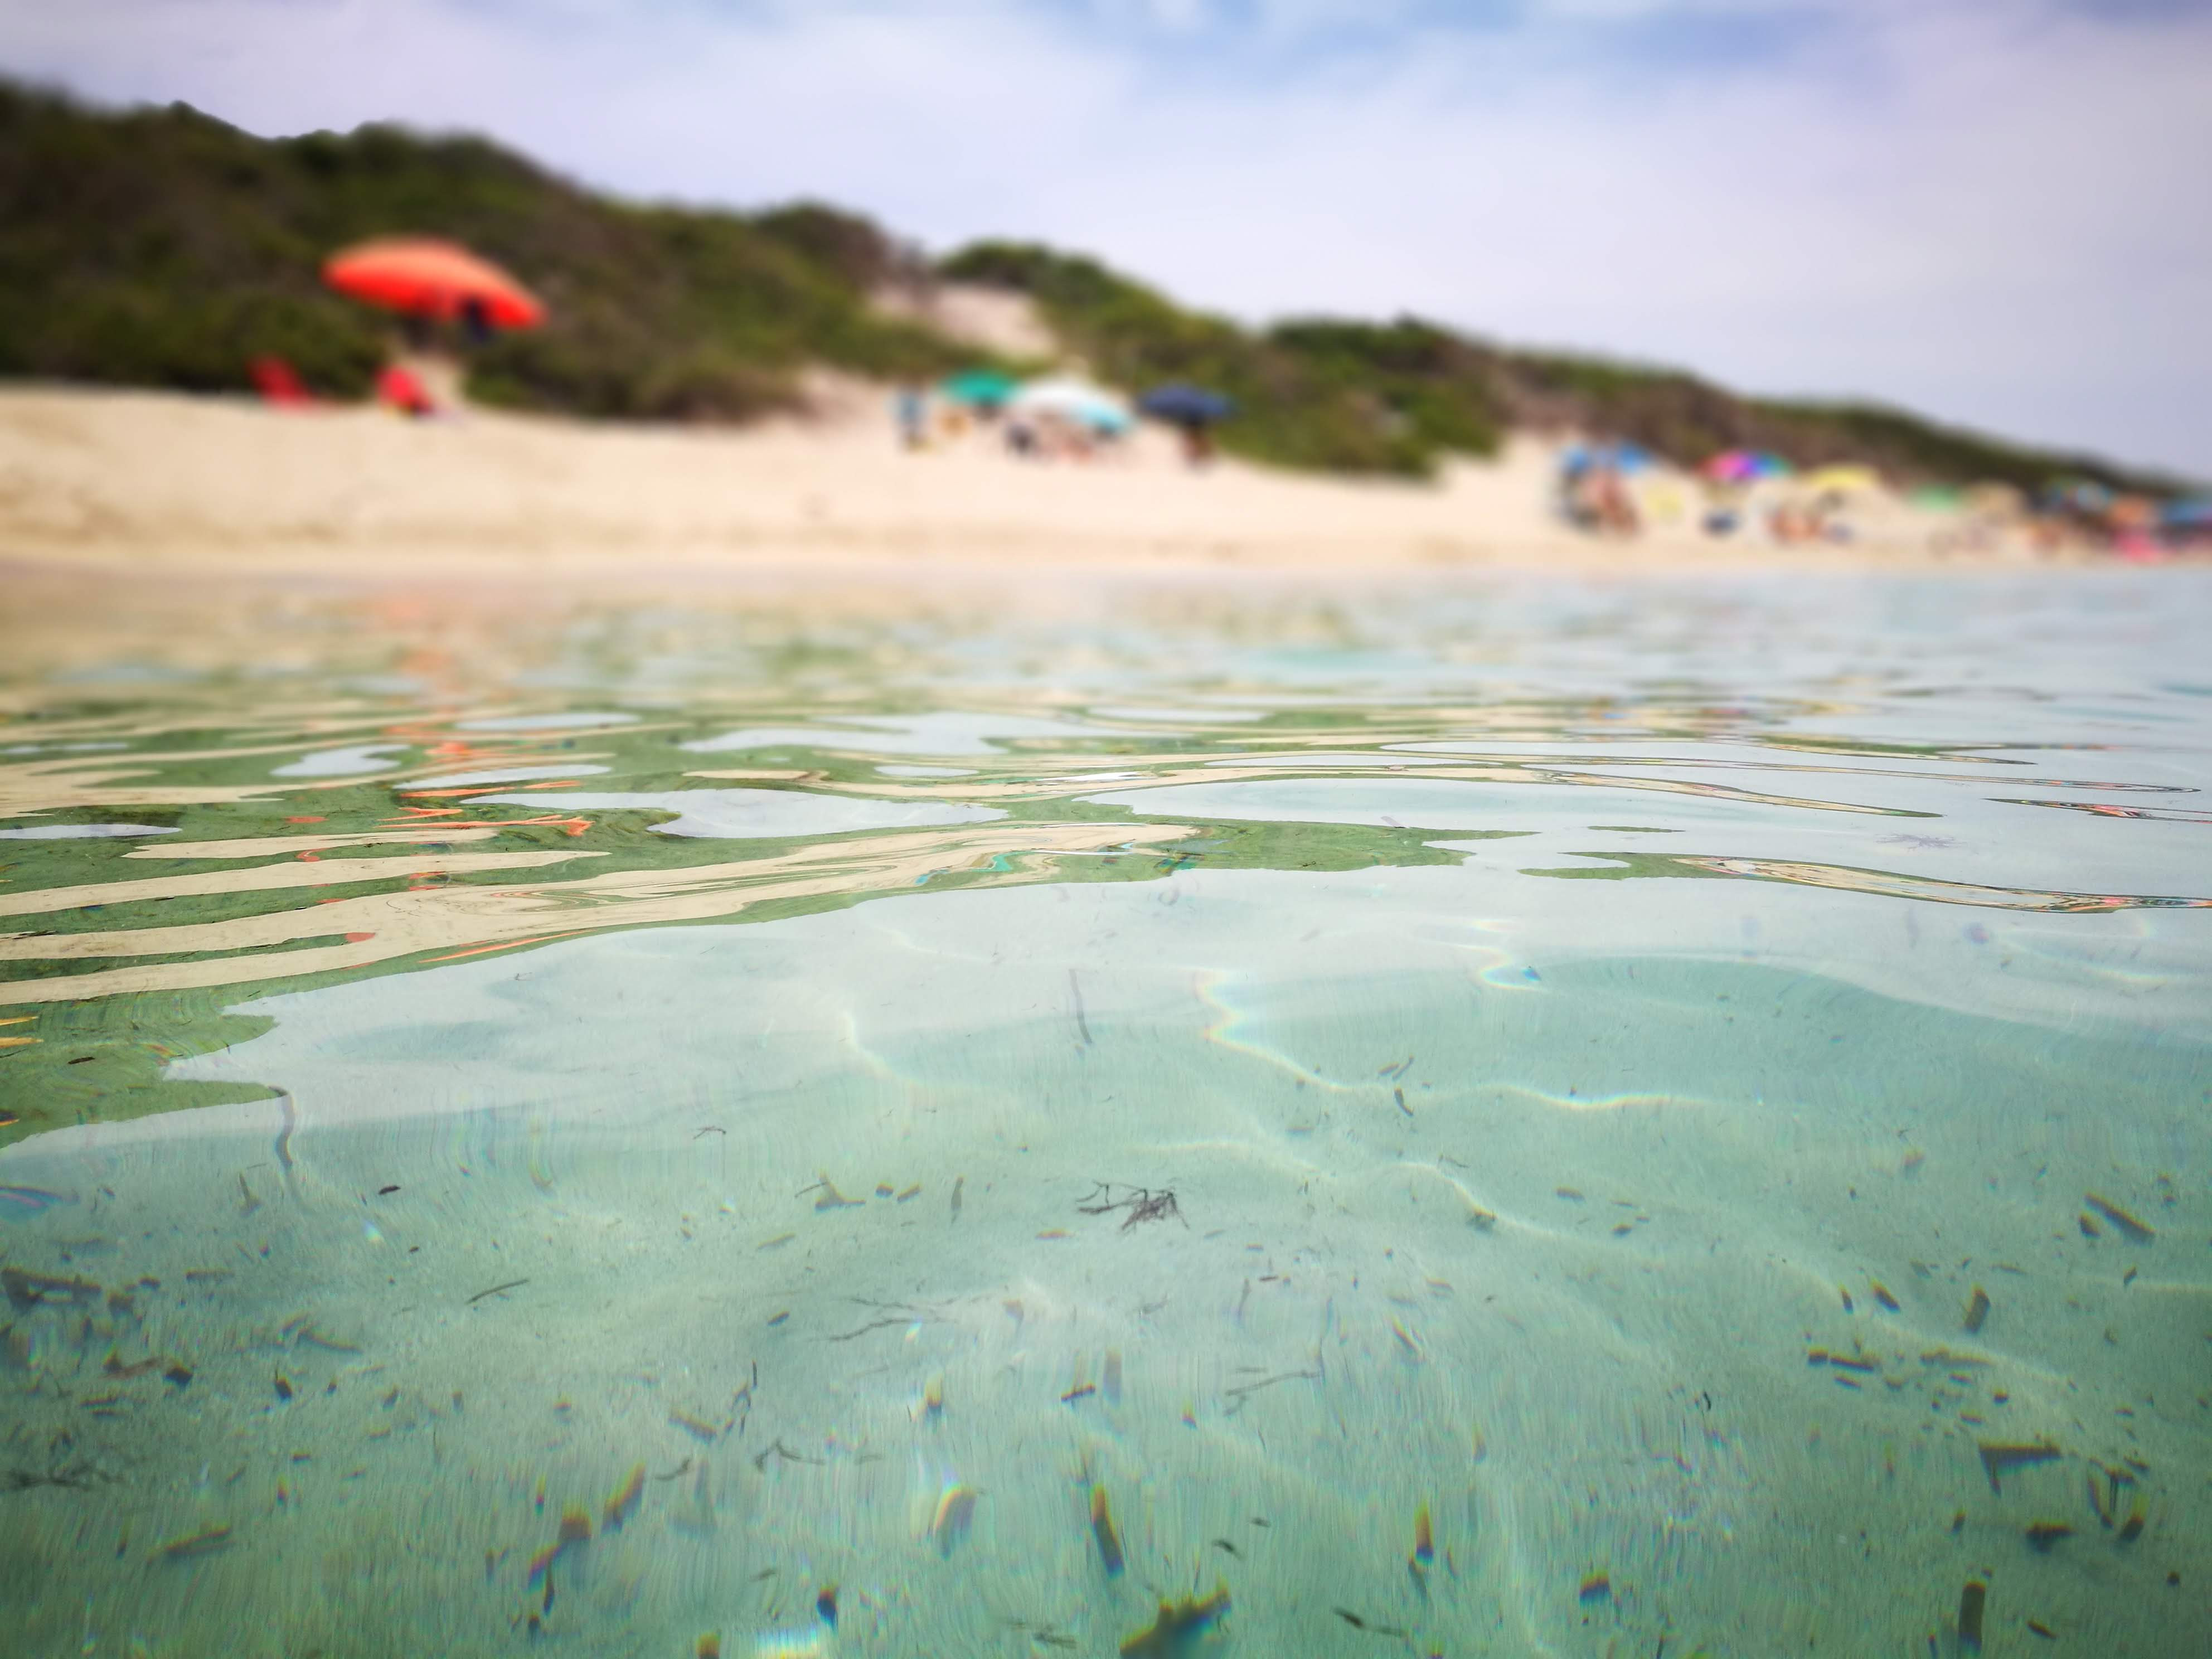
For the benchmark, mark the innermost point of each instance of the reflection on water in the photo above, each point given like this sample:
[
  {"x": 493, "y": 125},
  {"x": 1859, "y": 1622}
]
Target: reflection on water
[{"x": 1530, "y": 1119}]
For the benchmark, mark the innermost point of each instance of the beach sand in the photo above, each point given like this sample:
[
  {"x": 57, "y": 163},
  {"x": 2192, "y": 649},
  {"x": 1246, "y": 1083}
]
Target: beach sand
[{"x": 96, "y": 478}]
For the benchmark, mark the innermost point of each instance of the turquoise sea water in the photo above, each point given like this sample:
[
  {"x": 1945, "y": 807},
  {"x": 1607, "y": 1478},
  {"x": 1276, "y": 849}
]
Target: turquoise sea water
[{"x": 1526, "y": 1118}]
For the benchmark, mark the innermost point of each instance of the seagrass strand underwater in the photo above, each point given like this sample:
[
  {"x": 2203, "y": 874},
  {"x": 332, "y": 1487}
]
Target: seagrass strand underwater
[{"x": 1165, "y": 1116}]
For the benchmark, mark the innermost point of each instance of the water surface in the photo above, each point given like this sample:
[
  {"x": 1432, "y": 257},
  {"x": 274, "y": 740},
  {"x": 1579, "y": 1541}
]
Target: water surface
[{"x": 1530, "y": 1118}]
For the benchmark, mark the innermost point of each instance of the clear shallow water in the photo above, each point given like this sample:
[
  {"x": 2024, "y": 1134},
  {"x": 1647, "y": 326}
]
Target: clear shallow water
[{"x": 1599, "y": 1040}]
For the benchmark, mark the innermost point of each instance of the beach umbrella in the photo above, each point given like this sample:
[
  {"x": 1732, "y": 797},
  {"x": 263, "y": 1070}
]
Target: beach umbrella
[
  {"x": 978, "y": 388},
  {"x": 1842, "y": 480},
  {"x": 429, "y": 278},
  {"x": 1185, "y": 405},
  {"x": 1624, "y": 458},
  {"x": 1074, "y": 401},
  {"x": 1745, "y": 466},
  {"x": 2079, "y": 494}
]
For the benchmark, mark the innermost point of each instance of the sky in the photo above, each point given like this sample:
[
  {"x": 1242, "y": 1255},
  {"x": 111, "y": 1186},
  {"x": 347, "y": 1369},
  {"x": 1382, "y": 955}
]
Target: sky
[{"x": 1996, "y": 212}]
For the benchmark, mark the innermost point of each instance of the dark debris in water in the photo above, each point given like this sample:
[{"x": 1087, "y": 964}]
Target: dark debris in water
[
  {"x": 1179, "y": 1627},
  {"x": 80, "y": 1476},
  {"x": 2135, "y": 1231},
  {"x": 1140, "y": 1204}
]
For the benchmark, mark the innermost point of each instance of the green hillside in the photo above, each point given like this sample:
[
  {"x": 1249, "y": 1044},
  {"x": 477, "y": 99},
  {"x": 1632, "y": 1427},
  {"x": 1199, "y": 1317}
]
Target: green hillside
[
  {"x": 1397, "y": 396},
  {"x": 162, "y": 247},
  {"x": 1351, "y": 397}
]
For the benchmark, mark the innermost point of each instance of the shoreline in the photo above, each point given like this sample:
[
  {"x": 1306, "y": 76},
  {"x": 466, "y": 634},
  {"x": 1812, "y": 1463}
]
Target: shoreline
[{"x": 112, "y": 483}]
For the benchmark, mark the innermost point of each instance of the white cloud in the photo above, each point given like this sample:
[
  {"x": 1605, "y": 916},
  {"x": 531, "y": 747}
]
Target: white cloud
[{"x": 1997, "y": 214}]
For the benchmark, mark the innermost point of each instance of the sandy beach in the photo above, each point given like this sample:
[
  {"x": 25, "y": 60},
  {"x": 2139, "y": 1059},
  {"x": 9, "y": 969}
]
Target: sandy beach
[{"x": 106, "y": 479}]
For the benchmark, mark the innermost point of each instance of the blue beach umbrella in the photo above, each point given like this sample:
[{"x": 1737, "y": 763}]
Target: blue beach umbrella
[
  {"x": 1185, "y": 405},
  {"x": 1623, "y": 457}
]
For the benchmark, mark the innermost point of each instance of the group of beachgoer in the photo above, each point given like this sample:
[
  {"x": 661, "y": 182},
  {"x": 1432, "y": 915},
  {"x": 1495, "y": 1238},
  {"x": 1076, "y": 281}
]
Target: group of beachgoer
[
  {"x": 2082, "y": 514},
  {"x": 1047, "y": 437},
  {"x": 1071, "y": 422},
  {"x": 1025, "y": 433},
  {"x": 1613, "y": 489},
  {"x": 1593, "y": 494}
]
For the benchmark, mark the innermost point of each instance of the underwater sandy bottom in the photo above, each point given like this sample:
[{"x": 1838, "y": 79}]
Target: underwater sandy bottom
[{"x": 1644, "y": 1271}]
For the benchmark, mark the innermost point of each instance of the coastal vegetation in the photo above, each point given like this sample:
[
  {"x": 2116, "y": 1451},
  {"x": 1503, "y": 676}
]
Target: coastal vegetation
[
  {"x": 162, "y": 247},
  {"x": 1396, "y": 397}
]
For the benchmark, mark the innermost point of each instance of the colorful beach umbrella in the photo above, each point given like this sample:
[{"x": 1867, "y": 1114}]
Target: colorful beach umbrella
[
  {"x": 1744, "y": 466},
  {"x": 425, "y": 277}
]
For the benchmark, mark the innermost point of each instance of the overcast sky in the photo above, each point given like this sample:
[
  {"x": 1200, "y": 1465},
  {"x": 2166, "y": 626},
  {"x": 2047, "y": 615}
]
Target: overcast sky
[{"x": 1995, "y": 211}]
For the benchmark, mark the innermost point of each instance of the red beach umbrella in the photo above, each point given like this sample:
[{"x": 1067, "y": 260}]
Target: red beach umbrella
[{"x": 431, "y": 278}]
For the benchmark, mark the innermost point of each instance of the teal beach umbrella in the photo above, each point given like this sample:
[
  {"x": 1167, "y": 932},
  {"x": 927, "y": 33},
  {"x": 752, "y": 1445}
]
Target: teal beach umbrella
[{"x": 977, "y": 388}]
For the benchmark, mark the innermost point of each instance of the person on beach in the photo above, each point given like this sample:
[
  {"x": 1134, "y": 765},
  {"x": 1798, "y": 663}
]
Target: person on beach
[
  {"x": 399, "y": 388},
  {"x": 1594, "y": 496},
  {"x": 912, "y": 416},
  {"x": 1615, "y": 508}
]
